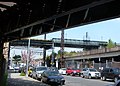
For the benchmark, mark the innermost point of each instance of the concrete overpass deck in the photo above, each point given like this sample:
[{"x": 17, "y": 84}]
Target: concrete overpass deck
[{"x": 98, "y": 53}]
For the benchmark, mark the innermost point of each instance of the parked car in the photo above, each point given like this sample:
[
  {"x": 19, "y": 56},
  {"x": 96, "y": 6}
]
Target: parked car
[
  {"x": 16, "y": 69},
  {"x": 91, "y": 73},
  {"x": 83, "y": 72},
  {"x": 53, "y": 69},
  {"x": 37, "y": 71},
  {"x": 73, "y": 71},
  {"x": 52, "y": 77},
  {"x": 11, "y": 69},
  {"x": 62, "y": 71},
  {"x": 110, "y": 73},
  {"x": 30, "y": 71}
]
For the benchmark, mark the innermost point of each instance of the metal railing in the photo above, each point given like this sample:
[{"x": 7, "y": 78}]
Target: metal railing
[{"x": 80, "y": 42}]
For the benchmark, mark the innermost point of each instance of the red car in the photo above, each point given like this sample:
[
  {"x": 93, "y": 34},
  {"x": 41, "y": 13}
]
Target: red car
[{"x": 73, "y": 71}]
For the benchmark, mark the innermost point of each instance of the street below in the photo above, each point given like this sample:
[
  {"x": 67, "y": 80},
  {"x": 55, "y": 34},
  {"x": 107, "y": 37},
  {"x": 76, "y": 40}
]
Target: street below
[
  {"x": 78, "y": 81},
  {"x": 15, "y": 79}
]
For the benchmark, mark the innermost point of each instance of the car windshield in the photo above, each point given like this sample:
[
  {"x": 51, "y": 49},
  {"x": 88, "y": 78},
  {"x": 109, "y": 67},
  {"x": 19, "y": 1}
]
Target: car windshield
[
  {"x": 53, "y": 73},
  {"x": 41, "y": 68},
  {"x": 117, "y": 70},
  {"x": 63, "y": 68},
  {"x": 75, "y": 69},
  {"x": 93, "y": 70},
  {"x": 53, "y": 69}
]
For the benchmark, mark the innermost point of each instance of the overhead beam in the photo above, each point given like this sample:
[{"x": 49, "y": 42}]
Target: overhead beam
[{"x": 96, "y": 3}]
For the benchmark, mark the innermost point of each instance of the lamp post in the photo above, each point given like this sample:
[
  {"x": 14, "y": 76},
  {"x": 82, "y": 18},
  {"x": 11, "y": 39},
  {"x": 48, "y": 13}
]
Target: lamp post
[
  {"x": 27, "y": 64},
  {"x": 44, "y": 52}
]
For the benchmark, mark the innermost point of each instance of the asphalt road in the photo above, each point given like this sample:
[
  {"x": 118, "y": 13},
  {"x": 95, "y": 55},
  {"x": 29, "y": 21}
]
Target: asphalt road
[
  {"x": 78, "y": 81},
  {"x": 15, "y": 80}
]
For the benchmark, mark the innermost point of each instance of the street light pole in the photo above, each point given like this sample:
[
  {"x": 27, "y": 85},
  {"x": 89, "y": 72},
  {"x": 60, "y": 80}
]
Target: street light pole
[
  {"x": 52, "y": 60},
  {"x": 44, "y": 52},
  {"x": 28, "y": 55}
]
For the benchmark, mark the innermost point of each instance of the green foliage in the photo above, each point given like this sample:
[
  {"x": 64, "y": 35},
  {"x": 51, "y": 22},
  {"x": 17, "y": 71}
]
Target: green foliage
[
  {"x": 47, "y": 58},
  {"x": 17, "y": 58},
  {"x": 22, "y": 74},
  {"x": 59, "y": 52},
  {"x": 111, "y": 44},
  {"x": 67, "y": 53}
]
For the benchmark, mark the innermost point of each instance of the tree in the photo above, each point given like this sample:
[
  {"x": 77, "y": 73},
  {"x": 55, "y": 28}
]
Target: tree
[
  {"x": 49, "y": 60},
  {"x": 110, "y": 44},
  {"x": 24, "y": 55},
  {"x": 17, "y": 58}
]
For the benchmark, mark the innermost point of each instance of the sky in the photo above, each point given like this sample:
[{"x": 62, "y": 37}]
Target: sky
[{"x": 101, "y": 31}]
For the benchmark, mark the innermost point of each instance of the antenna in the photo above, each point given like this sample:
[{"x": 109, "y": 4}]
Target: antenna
[{"x": 86, "y": 35}]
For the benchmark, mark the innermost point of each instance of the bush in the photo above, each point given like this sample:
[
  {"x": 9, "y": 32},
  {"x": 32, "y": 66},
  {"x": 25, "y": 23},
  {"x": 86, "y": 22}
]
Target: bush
[{"x": 22, "y": 74}]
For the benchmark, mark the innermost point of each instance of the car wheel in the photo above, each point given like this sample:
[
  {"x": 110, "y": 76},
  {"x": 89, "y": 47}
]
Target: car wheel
[
  {"x": 32, "y": 77},
  {"x": 79, "y": 74},
  {"x": 42, "y": 80},
  {"x": 82, "y": 75},
  {"x": 103, "y": 78},
  {"x": 36, "y": 77},
  {"x": 89, "y": 77},
  {"x": 72, "y": 74},
  {"x": 61, "y": 83},
  {"x": 115, "y": 79},
  {"x": 67, "y": 74}
]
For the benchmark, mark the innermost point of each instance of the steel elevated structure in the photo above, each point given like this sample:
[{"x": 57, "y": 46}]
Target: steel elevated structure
[
  {"x": 26, "y": 18},
  {"x": 47, "y": 44}
]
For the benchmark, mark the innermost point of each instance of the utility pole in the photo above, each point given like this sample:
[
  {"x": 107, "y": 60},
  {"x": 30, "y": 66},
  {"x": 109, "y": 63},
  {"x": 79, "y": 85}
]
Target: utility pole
[
  {"x": 62, "y": 48},
  {"x": 52, "y": 60},
  {"x": 28, "y": 56},
  {"x": 44, "y": 52},
  {"x": 62, "y": 43}
]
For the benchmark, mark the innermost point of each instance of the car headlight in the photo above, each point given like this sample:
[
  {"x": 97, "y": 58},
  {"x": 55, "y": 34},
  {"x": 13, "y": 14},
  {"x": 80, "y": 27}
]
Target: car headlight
[
  {"x": 62, "y": 79},
  {"x": 74, "y": 71},
  {"x": 119, "y": 75},
  {"x": 39, "y": 74}
]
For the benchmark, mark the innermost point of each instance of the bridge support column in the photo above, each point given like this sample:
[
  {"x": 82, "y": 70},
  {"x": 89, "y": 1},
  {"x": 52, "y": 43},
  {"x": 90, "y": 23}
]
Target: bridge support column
[
  {"x": 44, "y": 52},
  {"x": 99, "y": 60},
  {"x": 44, "y": 56},
  {"x": 99, "y": 64},
  {"x": 93, "y": 63},
  {"x": 73, "y": 63},
  {"x": 112, "y": 59},
  {"x": 106, "y": 63}
]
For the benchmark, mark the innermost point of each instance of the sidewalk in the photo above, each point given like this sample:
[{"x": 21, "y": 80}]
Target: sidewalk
[{"x": 14, "y": 79}]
